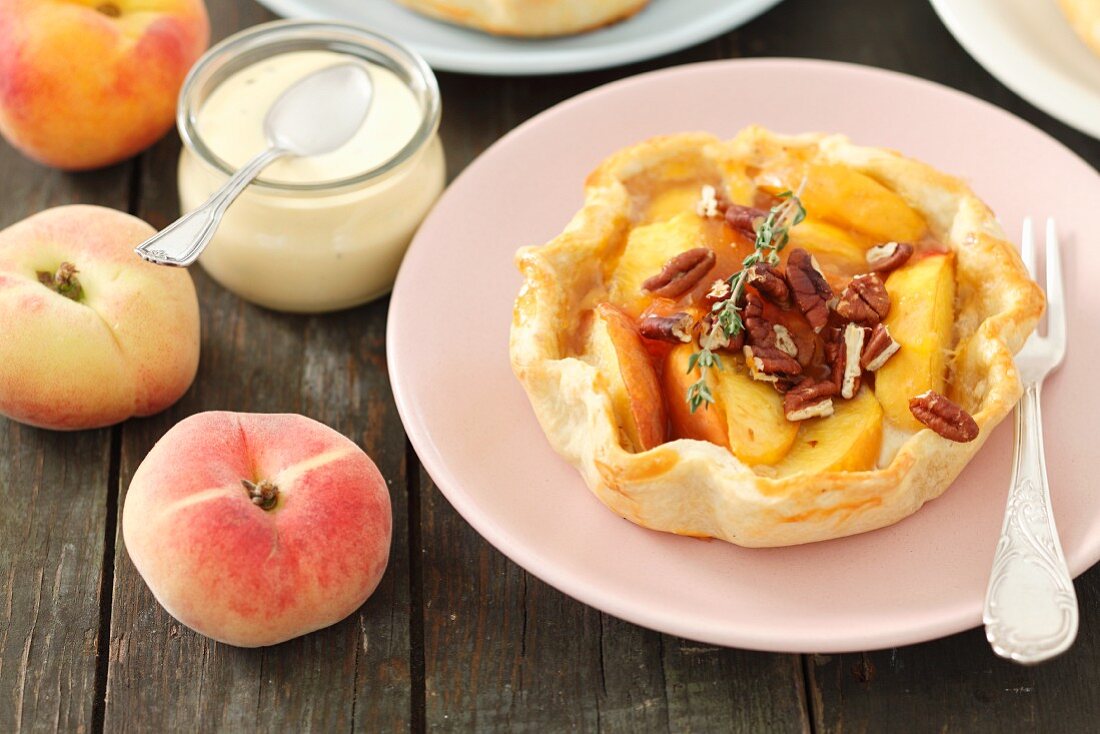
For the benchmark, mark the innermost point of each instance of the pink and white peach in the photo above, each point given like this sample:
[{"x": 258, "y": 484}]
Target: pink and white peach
[{"x": 253, "y": 529}]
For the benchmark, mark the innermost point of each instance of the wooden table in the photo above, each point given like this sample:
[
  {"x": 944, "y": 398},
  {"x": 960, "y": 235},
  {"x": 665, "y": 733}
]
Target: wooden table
[{"x": 457, "y": 636}]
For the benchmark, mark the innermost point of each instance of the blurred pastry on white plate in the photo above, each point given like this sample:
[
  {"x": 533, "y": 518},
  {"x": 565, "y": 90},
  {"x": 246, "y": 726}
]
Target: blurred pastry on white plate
[
  {"x": 532, "y": 18},
  {"x": 1084, "y": 16}
]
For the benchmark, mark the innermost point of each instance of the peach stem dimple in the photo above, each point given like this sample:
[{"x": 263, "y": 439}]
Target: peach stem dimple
[
  {"x": 109, "y": 9},
  {"x": 264, "y": 494},
  {"x": 63, "y": 281}
]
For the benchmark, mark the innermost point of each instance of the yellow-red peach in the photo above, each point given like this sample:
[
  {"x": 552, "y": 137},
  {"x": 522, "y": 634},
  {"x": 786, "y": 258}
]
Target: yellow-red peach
[
  {"x": 87, "y": 83},
  {"x": 252, "y": 529},
  {"x": 118, "y": 338}
]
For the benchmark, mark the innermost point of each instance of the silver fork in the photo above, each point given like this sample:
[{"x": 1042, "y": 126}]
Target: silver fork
[{"x": 1031, "y": 607}]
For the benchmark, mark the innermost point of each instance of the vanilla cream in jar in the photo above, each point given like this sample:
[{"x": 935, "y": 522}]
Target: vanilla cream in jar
[{"x": 315, "y": 233}]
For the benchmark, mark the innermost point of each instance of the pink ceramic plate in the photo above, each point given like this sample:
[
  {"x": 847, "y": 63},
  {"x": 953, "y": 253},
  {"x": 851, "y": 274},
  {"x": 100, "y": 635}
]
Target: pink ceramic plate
[{"x": 473, "y": 428}]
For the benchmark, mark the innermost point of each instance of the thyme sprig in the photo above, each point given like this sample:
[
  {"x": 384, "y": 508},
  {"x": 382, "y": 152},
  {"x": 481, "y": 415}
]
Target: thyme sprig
[{"x": 772, "y": 235}]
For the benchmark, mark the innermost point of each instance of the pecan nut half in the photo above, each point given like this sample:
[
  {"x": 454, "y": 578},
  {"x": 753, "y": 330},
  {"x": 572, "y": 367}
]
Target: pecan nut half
[
  {"x": 759, "y": 329},
  {"x": 783, "y": 340},
  {"x": 785, "y": 384},
  {"x": 770, "y": 349},
  {"x": 879, "y": 348},
  {"x": 888, "y": 256},
  {"x": 719, "y": 290},
  {"x": 681, "y": 273},
  {"x": 672, "y": 328},
  {"x": 709, "y": 204},
  {"x": 944, "y": 416},
  {"x": 769, "y": 281},
  {"x": 770, "y": 363},
  {"x": 745, "y": 218},
  {"x": 849, "y": 369},
  {"x": 810, "y": 289},
  {"x": 809, "y": 346},
  {"x": 864, "y": 300},
  {"x": 809, "y": 400}
]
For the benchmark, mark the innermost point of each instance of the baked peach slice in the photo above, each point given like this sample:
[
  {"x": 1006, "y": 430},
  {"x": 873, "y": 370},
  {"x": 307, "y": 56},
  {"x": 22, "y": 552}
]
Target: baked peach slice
[
  {"x": 746, "y": 416},
  {"x": 650, "y": 246},
  {"x": 854, "y": 200},
  {"x": 624, "y": 363},
  {"x": 922, "y": 315},
  {"x": 684, "y": 196},
  {"x": 837, "y": 250},
  {"x": 671, "y": 202},
  {"x": 708, "y": 423},
  {"x": 847, "y": 440},
  {"x": 758, "y": 429}
]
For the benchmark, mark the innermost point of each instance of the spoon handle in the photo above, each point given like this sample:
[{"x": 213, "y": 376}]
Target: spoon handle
[{"x": 183, "y": 241}]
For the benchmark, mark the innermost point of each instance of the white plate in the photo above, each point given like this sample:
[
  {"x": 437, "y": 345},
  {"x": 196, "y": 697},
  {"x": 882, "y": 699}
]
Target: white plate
[
  {"x": 663, "y": 27},
  {"x": 1030, "y": 46}
]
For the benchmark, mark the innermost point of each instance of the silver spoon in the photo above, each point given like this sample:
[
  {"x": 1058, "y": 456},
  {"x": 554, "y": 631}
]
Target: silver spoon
[{"x": 315, "y": 115}]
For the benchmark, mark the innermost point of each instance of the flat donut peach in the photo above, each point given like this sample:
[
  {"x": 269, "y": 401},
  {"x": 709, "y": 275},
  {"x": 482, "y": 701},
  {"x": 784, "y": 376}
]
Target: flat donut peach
[{"x": 253, "y": 529}]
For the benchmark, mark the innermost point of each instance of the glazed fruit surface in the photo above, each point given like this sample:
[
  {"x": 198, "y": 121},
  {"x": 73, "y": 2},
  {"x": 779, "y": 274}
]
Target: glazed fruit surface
[{"x": 642, "y": 325}]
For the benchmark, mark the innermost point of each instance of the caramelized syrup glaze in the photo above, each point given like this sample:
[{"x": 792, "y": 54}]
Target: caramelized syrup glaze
[{"x": 679, "y": 193}]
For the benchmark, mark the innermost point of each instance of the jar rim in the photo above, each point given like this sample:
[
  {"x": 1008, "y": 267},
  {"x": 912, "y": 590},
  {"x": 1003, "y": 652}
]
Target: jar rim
[{"x": 282, "y": 36}]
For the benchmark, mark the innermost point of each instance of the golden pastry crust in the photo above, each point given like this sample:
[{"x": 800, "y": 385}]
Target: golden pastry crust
[
  {"x": 1084, "y": 17},
  {"x": 696, "y": 488},
  {"x": 529, "y": 18}
]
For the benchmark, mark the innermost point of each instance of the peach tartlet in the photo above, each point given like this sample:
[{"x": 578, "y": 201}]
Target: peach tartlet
[{"x": 771, "y": 340}]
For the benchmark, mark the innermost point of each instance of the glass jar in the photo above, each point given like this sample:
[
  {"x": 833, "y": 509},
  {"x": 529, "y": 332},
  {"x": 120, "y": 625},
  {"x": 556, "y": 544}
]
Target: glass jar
[{"x": 319, "y": 245}]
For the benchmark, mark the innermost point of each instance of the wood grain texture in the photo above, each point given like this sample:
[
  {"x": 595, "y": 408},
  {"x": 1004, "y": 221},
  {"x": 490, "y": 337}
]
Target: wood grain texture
[
  {"x": 54, "y": 495},
  {"x": 352, "y": 676},
  {"x": 957, "y": 684},
  {"x": 506, "y": 652},
  {"x": 53, "y": 491},
  {"x": 331, "y": 368}
]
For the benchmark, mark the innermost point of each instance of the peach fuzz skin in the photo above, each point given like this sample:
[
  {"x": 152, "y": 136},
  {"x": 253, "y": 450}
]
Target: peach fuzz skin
[
  {"x": 87, "y": 83},
  {"x": 234, "y": 571},
  {"x": 129, "y": 347}
]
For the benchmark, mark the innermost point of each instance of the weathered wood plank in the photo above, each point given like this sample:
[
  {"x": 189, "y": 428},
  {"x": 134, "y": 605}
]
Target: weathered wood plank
[
  {"x": 503, "y": 652},
  {"x": 54, "y": 494},
  {"x": 719, "y": 689},
  {"x": 958, "y": 684},
  {"x": 332, "y": 368},
  {"x": 506, "y": 652},
  {"x": 354, "y": 675}
]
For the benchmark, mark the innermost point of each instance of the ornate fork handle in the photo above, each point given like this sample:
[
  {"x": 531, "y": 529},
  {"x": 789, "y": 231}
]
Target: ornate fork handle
[{"x": 1030, "y": 606}]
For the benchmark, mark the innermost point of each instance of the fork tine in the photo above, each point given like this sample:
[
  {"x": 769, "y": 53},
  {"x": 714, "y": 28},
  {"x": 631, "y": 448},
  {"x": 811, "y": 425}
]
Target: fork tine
[
  {"x": 1056, "y": 299},
  {"x": 1027, "y": 247}
]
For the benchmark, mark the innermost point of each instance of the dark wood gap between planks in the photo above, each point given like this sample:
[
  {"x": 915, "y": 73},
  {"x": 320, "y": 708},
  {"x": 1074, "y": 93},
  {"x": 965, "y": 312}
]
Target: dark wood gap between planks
[
  {"x": 808, "y": 688},
  {"x": 110, "y": 530},
  {"x": 106, "y": 583},
  {"x": 418, "y": 694}
]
